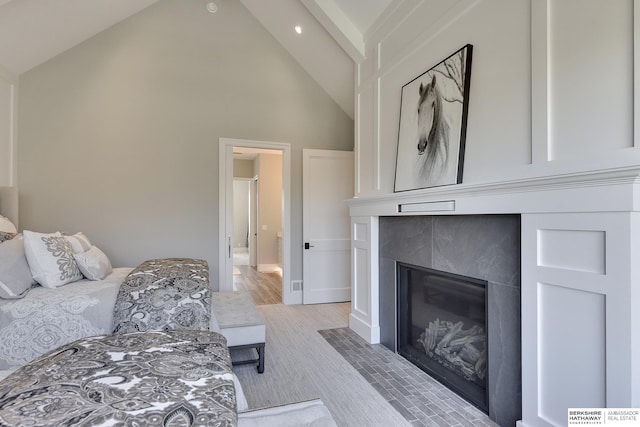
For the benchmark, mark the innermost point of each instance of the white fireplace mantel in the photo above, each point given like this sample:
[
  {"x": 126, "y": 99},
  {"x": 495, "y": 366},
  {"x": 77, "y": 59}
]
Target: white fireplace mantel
[
  {"x": 580, "y": 288},
  {"x": 594, "y": 191}
]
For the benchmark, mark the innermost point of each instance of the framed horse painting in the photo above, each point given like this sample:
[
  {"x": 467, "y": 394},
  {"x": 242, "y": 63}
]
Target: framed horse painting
[{"x": 433, "y": 124}]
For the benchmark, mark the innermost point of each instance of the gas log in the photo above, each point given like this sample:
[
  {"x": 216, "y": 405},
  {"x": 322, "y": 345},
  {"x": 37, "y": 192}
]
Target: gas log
[{"x": 463, "y": 350}]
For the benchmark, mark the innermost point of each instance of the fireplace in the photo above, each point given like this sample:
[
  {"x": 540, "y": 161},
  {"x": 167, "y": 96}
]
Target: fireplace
[
  {"x": 450, "y": 247},
  {"x": 442, "y": 328}
]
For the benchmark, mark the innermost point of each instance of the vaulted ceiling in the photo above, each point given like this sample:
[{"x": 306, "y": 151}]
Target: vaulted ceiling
[
  {"x": 34, "y": 31},
  {"x": 331, "y": 42}
]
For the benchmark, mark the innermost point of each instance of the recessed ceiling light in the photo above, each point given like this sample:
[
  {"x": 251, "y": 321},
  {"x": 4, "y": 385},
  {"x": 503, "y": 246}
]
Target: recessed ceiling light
[
  {"x": 298, "y": 29},
  {"x": 212, "y": 7}
]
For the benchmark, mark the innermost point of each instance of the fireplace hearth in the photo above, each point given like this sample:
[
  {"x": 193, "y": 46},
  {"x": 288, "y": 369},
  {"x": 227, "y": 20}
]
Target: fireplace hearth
[{"x": 442, "y": 328}]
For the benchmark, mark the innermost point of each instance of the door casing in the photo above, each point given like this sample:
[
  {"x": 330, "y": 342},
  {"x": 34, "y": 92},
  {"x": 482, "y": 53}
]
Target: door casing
[{"x": 225, "y": 221}]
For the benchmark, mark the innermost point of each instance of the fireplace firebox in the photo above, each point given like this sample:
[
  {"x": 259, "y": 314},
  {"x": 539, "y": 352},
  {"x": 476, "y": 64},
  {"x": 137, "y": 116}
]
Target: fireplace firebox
[{"x": 442, "y": 328}]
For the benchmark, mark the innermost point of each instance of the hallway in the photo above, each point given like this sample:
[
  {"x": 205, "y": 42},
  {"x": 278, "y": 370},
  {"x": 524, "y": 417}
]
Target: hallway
[{"x": 265, "y": 288}]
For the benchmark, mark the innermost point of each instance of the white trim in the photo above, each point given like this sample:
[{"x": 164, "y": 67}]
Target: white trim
[
  {"x": 540, "y": 82},
  {"x": 357, "y": 147},
  {"x": 636, "y": 73},
  {"x": 377, "y": 143},
  {"x": 225, "y": 265},
  {"x": 368, "y": 332},
  {"x": 516, "y": 195},
  {"x": 365, "y": 307},
  {"x": 333, "y": 19}
]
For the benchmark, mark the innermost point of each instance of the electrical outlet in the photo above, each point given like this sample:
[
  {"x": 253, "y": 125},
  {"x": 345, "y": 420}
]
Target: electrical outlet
[{"x": 296, "y": 285}]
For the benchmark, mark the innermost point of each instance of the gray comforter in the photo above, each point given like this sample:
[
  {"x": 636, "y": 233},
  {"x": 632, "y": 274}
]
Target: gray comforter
[
  {"x": 175, "y": 378},
  {"x": 48, "y": 318},
  {"x": 164, "y": 294}
]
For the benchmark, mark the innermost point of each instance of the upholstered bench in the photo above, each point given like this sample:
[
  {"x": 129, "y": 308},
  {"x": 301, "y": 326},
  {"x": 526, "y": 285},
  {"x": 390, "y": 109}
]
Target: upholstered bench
[{"x": 240, "y": 323}]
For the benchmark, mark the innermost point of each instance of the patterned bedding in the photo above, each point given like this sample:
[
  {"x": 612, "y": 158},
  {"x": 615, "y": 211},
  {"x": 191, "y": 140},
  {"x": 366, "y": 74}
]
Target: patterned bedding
[
  {"x": 164, "y": 294},
  {"x": 48, "y": 318},
  {"x": 175, "y": 378}
]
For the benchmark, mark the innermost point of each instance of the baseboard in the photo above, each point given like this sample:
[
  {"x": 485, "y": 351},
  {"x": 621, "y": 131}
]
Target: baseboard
[{"x": 370, "y": 333}]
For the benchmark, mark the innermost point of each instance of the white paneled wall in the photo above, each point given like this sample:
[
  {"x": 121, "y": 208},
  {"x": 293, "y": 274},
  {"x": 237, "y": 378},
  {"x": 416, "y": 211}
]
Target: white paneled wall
[
  {"x": 551, "y": 135},
  {"x": 408, "y": 45},
  {"x": 552, "y": 85},
  {"x": 578, "y": 340},
  {"x": 582, "y": 77},
  {"x": 364, "y": 318}
]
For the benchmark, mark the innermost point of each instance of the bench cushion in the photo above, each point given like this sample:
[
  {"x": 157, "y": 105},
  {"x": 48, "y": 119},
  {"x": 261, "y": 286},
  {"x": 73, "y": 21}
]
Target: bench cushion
[{"x": 239, "y": 321}]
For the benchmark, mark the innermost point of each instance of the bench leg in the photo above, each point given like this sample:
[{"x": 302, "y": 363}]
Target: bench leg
[
  {"x": 260, "y": 360},
  {"x": 260, "y": 349}
]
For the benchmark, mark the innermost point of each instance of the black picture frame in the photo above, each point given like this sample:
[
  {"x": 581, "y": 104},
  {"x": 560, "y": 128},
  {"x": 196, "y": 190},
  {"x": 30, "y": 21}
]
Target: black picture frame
[{"x": 433, "y": 124}]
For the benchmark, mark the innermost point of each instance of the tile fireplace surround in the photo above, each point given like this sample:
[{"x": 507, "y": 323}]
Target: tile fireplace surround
[
  {"x": 579, "y": 288},
  {"x": 485, "y": 247}
]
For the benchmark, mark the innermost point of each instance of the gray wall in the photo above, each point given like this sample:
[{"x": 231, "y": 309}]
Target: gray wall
[
  {"x": 269, "y": 207},
  {"x": 118, "y": 137},
  {"x": 243, "y": 168}
]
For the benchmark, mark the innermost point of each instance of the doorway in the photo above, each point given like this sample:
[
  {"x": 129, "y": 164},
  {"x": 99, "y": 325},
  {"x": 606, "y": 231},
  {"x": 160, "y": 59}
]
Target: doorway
[
  {"x": 266, "y": 232},
  {"x": 244, "y": 219}
]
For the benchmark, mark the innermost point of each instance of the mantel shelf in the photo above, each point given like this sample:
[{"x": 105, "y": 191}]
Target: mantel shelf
[{"x": 608, "y": 189}]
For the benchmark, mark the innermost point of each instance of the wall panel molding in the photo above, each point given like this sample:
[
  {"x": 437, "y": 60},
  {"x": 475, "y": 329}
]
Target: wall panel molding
[
  {"x": 8, "y": 128},
  {"x": 397, "y": 57},
  {"x": 598, "y": 297},
  {"x": 540, "y": 81},
  {"x": 545, "y": 122},
  {"x": 636, "y": 73},
  {"x": 365, "y": 301}
]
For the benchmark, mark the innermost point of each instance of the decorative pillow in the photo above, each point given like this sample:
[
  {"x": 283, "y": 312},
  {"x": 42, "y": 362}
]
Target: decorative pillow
[
  {"x": 50, "y": 259},
  {"x": 79, "y": 242},
  {"x": 15, "y": 275},
  {"x": 6, "y": 225},
  {"x": 94, "y": 264},
  {"x": 4, "y": 236}
]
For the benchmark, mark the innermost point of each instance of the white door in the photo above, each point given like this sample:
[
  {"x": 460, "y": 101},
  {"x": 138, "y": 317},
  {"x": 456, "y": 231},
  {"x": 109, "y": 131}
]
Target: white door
[{"x": 327, "y": 181}]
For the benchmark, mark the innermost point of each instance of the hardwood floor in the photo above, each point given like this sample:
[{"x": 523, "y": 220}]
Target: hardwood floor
[{"x": 265, "y": 288}]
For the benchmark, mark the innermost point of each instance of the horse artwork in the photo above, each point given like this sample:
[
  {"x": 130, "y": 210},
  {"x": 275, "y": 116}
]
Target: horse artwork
[
  {"x": 433, "y": 118},
  {"x": 433, "y": 134}
]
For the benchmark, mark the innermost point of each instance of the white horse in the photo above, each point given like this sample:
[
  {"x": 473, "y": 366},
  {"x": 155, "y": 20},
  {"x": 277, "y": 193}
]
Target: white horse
[{"x": 433, "y": 135}]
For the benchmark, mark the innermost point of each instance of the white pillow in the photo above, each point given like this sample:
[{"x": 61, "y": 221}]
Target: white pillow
[
  {"x": 79, "y": 243},
  {"x": 94, "y": 264},
  {"x": 6, "y": 225},
  {"x": 50, "y": 259},
  {"x": 15, "y": 276}
]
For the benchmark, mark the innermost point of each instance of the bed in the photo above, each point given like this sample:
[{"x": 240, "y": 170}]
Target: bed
[
  {"x": 47, "y": 299},
  {"x": 113, "y": 347}
]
